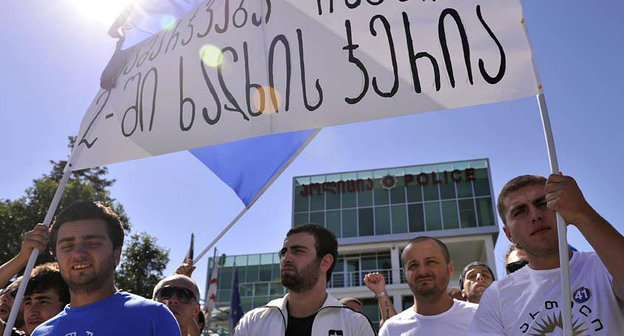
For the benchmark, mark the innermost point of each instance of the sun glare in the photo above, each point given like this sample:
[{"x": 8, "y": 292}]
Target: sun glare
[{"x": 105, "y": 11}]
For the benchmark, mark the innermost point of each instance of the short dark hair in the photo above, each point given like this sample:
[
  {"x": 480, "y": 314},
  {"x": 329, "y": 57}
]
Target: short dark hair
[
  {"x": 86, "y": 210},
  {"x": 516, "y": 184},
  {"x": 512, "y": 247},
  {"x": 47, "y": 276},
  {"x": 467, "y": 268},
  {"x": 324, "y": 241},
  {"x": 420, "y": 239}
]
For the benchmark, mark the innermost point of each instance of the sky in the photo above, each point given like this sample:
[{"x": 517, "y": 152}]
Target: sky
[{"x": 54, "y": 51}]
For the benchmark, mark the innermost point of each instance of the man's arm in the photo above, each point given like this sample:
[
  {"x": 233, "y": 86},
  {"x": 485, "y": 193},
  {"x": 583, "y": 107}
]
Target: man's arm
[
  {"x": 242, "y": 328},
  {"x": 565, "y": 197},
  {"x": 377, "y": 284},
  {"x": 35, "y": 238}
]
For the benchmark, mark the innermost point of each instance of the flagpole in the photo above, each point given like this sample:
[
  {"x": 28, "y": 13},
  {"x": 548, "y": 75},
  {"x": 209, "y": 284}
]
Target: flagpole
[
  {"x": 266, "y": 186},
  {"x": 234, "y": 275},
  {"x": 35, "y": 252},
  {"x": 562, "y": 234}
]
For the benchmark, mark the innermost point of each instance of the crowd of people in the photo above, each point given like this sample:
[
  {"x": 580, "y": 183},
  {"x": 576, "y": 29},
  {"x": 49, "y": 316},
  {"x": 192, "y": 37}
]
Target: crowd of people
[{"x": 77, "y": 295}]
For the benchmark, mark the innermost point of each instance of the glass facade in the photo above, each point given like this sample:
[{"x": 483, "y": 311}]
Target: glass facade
[
  {"x": 258, "y": 279},
  {"x": 379, "y": 202}
]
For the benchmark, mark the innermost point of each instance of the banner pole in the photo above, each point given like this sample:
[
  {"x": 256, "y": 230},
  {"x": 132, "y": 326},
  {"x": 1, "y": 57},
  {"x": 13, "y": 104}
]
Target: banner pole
[
  {"x": 562, "y": 233},
  {"x": 266, "y": 186},
  {"x": 35, "y": 253}
]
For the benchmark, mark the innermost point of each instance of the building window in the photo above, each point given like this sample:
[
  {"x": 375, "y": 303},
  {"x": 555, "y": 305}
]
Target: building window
[{"x": 365, "y": 222}]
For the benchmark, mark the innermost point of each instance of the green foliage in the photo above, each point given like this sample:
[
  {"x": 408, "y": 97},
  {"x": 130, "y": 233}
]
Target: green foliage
[
  {"x": 142, "y": 265},
  {"x": 20, "y": 215}
]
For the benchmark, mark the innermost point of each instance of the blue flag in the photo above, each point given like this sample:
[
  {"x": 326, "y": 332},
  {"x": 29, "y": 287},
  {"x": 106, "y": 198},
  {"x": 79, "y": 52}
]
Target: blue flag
[
  {"x": 248, "y": 165},
  {"x": 236, "y": 311}
]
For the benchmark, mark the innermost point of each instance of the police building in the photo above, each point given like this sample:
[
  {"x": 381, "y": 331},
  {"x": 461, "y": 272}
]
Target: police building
[{"x": 374, "y": 213}]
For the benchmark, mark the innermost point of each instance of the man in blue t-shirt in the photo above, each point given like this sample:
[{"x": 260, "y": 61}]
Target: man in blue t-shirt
[{"x": 87, "y": 239}]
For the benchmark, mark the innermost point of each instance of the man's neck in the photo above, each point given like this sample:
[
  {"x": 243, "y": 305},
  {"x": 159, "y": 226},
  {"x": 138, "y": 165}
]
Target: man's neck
[
  {"x": 546, "y": 262},
  {"x": 434, "y": 306},
  {"x": 80, "y": 298},
  {"x": 304, "y": 304}
]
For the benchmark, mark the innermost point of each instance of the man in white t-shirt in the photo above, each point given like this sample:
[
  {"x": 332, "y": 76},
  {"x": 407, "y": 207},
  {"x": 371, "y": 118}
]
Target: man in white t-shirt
[
  {"x": 428, "y": 268},
  {"x": 528, "y": 302}
]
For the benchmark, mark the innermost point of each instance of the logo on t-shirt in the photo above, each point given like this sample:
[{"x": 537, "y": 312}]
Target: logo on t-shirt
[
  {"x": 581, "y": 295},
  {"x": 335, "y": 333}
]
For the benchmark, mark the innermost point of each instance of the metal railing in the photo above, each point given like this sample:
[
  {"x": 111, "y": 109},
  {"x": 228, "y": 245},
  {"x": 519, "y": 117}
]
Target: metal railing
[{"x": 355, "y": 278}]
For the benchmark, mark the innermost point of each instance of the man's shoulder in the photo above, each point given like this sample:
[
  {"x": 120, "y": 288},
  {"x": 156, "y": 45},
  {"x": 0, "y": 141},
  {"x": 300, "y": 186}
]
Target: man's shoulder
[
  {"x": 132, "y": 301},
  {"x": 586, "y": 257},
  {"x": 466, "y": 306},
  {"x": 260, "y": 312}
]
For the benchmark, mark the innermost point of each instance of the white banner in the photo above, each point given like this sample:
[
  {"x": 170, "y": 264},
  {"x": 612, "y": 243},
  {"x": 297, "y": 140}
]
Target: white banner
[{"x": 207, "y": 78}]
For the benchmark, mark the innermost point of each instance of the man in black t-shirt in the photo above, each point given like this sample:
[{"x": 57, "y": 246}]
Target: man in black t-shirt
[{"x": 307, "y": 259}]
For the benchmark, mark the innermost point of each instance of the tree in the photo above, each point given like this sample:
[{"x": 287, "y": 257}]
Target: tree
[
  {"x": 142, "y": 265},
  {"x": 20, "y": 215}
]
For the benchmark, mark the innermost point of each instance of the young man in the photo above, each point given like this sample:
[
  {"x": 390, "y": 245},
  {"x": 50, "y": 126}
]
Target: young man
[
  {"x": 307, "y": 260},
  {"x": 428, "y": 268},
  {"x": 528, "y": 302},
  {"x": 87, "y": 239},
  {"x": 46, "y": 295},
  {"x": 474, "y": 280},
  {"x": 181, "y": 295}
]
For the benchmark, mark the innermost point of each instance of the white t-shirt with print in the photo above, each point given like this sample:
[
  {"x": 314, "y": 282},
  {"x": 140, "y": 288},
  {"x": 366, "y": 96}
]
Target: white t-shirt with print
[
  {"x": 528, "y": 302},
  {"x": 449, "y": 323}
]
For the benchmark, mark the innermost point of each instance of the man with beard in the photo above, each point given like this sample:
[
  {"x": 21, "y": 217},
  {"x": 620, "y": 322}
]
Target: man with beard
[
  {"x": 474, "y": 280},
  {"x": 529, "y": 301},
  {"x": 428, "y": 268},
  {"x": 307, "y": 260},
  {"x": 87, "y": 239},
  {"x": 181, "y": 295}
]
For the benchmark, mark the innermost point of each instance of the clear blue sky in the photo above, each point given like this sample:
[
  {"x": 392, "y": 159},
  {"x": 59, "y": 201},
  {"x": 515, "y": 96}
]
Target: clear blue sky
[{"x": 53, "y": 54}]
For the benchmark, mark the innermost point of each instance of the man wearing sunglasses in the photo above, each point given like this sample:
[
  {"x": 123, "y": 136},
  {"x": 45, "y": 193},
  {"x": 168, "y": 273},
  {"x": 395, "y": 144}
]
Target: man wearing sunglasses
[
  {"x": 87, "y": 238},
  {"x": 528, "y": 302},
  {"x": 181, "y": 295},
  {"x": 307, "y": 259},
  {"x": 515, "y": 258},
  {"x": 7, "y": 295}
]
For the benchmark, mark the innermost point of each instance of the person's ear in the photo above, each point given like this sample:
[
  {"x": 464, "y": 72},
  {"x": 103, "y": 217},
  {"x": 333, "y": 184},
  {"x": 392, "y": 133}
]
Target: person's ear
[
  {"x": 451, "y": 268},
  {"x": 508, "y": 234},
  {"x": 117, "y": 255},
  {"x": 326, "y": 262}
]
